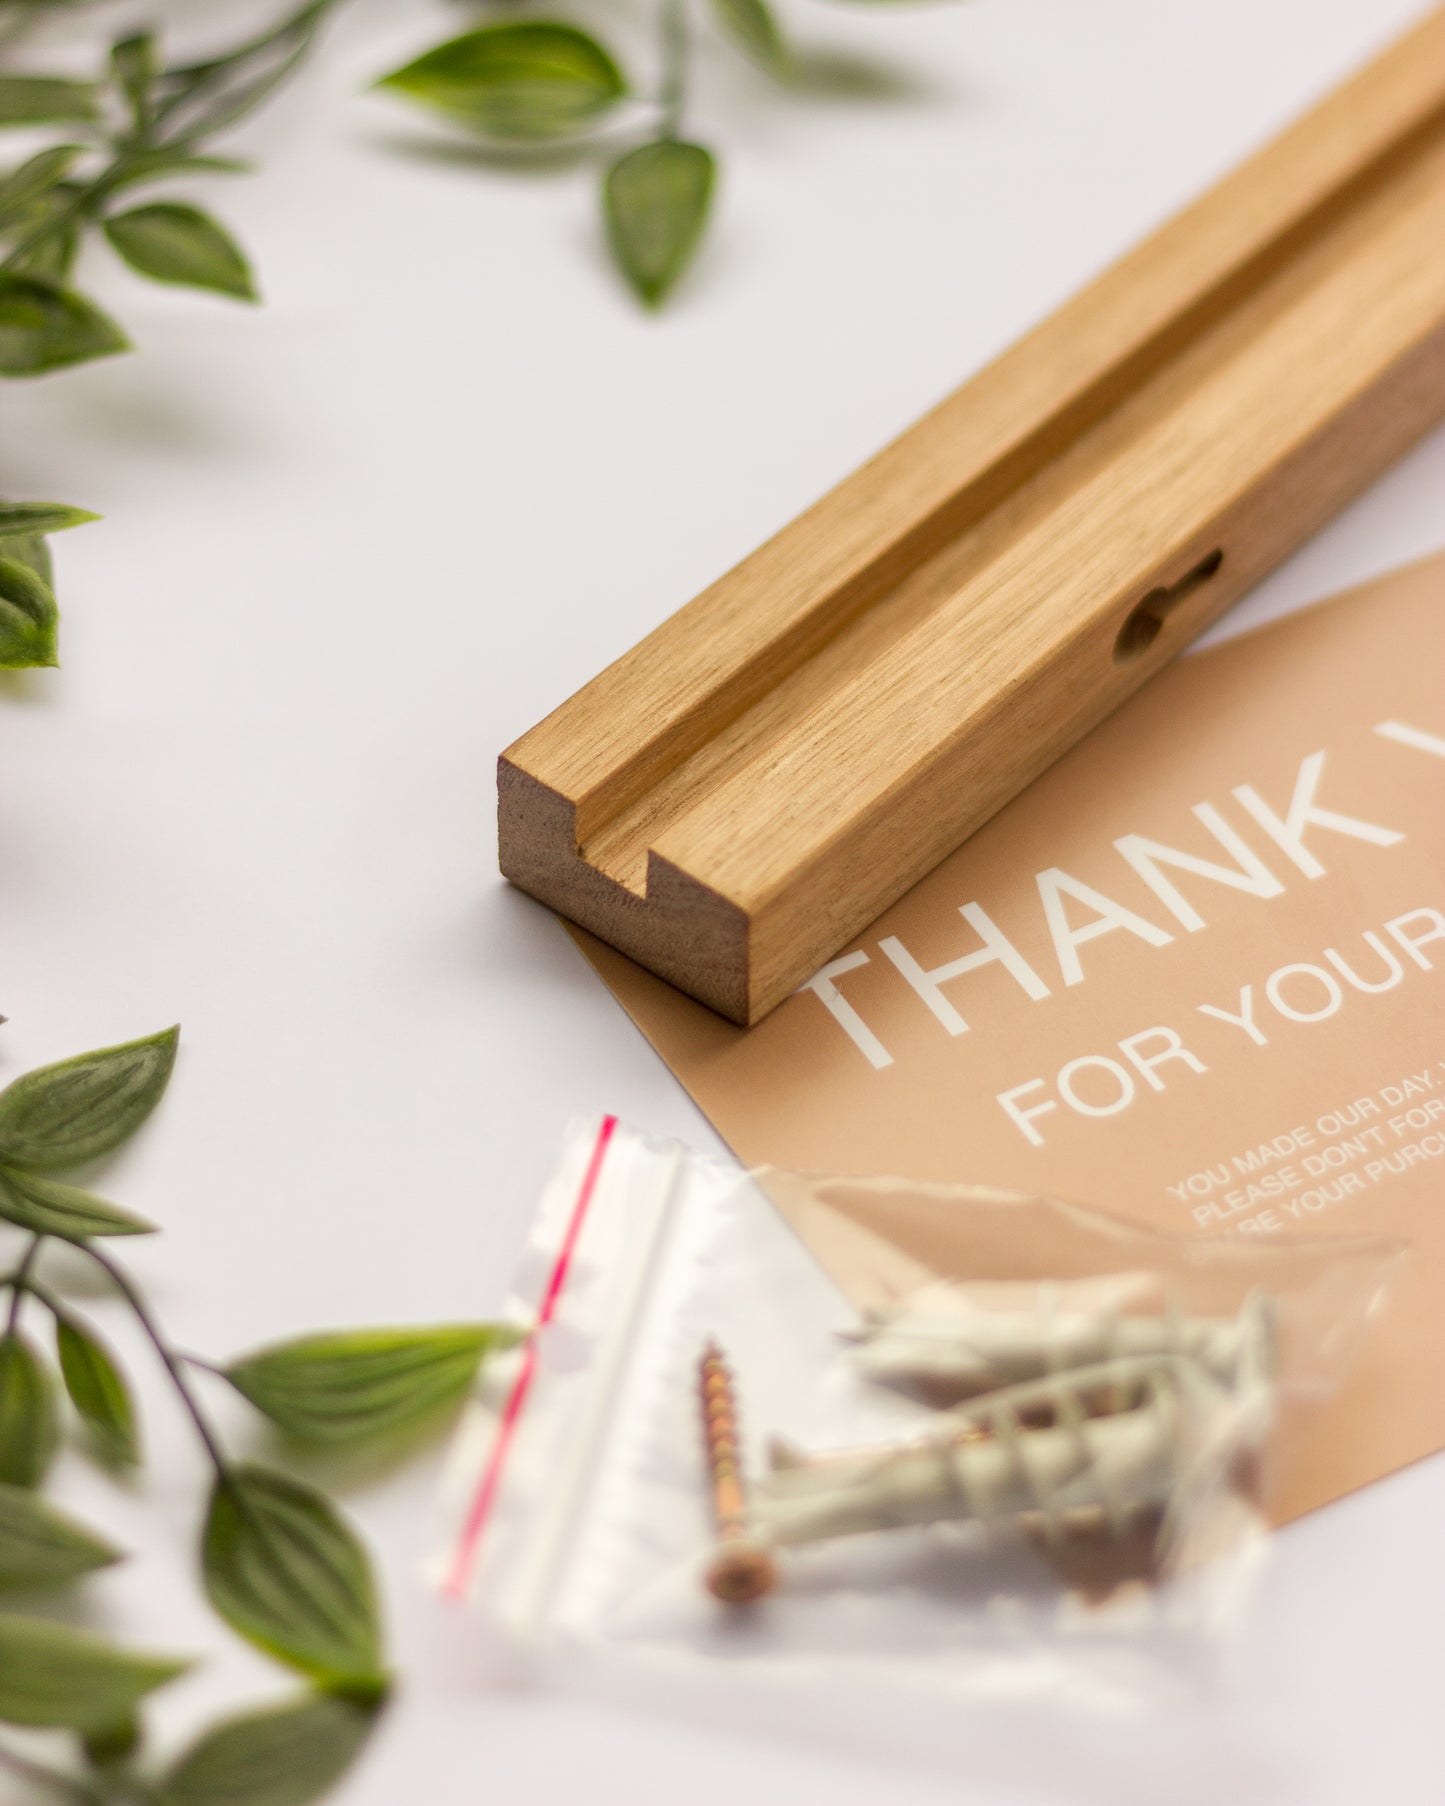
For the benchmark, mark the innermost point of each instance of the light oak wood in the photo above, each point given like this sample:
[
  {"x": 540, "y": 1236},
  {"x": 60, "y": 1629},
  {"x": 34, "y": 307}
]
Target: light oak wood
[{"x": 747, "y": 788}]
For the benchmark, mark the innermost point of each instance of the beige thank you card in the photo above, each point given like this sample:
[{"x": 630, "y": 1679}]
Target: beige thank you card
[{"x": 1194, "y": 975}]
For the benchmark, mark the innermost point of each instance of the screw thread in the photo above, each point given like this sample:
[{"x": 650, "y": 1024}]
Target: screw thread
[{"x": 741, "y": 1571}]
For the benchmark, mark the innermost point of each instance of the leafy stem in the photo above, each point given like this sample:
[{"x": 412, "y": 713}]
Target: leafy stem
[
  {"x": 674, "y": 38},
  {"x": 287, "y": 42},
  {"x": 19, "y": 1282},
  {"x": 173, "y": 1362},
  {"x": 81, "y": 204},
  {"x": 22, "y": 1281},
  {"x": 528, "y": 81},
  {"x": 279, "y": 1563},
  {"x": 140, "y": 122}
]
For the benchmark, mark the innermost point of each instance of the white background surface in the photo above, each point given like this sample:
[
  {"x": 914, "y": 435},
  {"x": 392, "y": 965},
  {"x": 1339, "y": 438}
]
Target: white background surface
[{"x": 354, "y": 545}]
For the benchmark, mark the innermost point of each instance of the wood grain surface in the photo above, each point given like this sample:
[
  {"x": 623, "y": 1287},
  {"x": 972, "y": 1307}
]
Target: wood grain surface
[{"x": 737, "y": 796}]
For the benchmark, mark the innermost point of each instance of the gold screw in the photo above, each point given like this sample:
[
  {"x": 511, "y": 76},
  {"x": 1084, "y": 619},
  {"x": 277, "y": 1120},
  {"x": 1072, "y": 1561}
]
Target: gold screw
[{"x": 741, "y": 1570}]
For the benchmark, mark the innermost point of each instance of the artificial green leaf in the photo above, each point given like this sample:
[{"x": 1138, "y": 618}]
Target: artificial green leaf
[
  {"x": 28, "y": 617},
  {"x": 32, "y": 551},
  {"x": 51, "y": 1675},
  {"x": 203, "y": 98},
  {"x": 171, "y": 242},
  {"x": 750, "y": 24},
  {"x": 29, "y": 1426},
  {"x": 533, "y": 80},
  {"x": 47, "y": 1207},
  {"x": 44, "y": 326},
  {"x": 133, "y": 64},
  {"x": 25, "y": 518},
  {"x": 359, "y": 1383},
  {"x": 162, "y": 162},
  {"x": 43, "y": 1547},
  {"x": 22, "y": 631},
  {"x": 282, "y": 1568},
  {"x": 52, "y": 257},
  {"x": 283, "y": 1756},
  {"x": 97, "y": 1391},
  {"x": 40, "y": 99},
  {"x": 112, "y": 1744},
  {"x": 656, "y": 199},
  {"x": 80, "y": 1108},
  {"x": 34, "y": 179}
]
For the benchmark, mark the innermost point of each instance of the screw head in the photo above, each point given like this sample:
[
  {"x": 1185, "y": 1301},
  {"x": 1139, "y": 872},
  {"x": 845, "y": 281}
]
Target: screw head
[{"x": 740, "y": 1573}]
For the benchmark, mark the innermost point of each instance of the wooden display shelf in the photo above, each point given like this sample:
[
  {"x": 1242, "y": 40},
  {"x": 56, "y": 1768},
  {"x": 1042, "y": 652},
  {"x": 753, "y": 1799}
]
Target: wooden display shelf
[{"x": 739, "y": 795}]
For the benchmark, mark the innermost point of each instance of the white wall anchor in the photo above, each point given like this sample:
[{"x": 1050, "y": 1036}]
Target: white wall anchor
[
  {"x": 954, "y": 1349},
  {"x": 1097, "y": 1444}
]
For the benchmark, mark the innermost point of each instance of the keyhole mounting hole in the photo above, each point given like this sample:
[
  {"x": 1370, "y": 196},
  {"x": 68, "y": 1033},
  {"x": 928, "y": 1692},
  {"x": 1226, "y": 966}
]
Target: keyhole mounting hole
[{"x": 1146, "y": 619}]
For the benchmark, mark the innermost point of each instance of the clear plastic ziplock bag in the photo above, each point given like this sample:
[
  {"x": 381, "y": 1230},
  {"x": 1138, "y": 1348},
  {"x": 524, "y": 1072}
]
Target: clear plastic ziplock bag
[{"x": 938, "y": 1438}]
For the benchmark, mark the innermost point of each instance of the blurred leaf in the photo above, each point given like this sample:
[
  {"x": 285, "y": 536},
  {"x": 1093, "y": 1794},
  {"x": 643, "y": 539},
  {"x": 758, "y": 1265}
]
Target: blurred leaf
[
  {"x": 52, "y": 257},
  {"x": 112, "y": 1744},
  {"x": 51, "y": 1675},
  {"x": 203, "y": 98},
  {"x": 26, "y": 518},
  {"x": 35, "y": 178},
  {"x": 41, "y": 99},
  {"x": 284, "y": 1756},
  {"x": 80, "y": 1108},
  {"x": 656, "y": 200},
  {"x": 43, "y": 1547},
  {"x": 28, "y": 1422},
  {"x": 133, "y": 63},
  {"x": 97, "y": 1391},
  {"x": 44, "y": 326},
  {"x": 281, "y": 1567},
  {"x": 32, "y": 551},
  {"x": 751, "y": 25},
  {"x": 171, "y": 242},
  {"x": 28, "y": 617},
  {"x": 522, "y": 82},
  {"x": 354, "y": 1384},
  {"x": 157, "y": 165},
  {"x": 27, "y": 604},
  {"x": 49, "y": 1208}
]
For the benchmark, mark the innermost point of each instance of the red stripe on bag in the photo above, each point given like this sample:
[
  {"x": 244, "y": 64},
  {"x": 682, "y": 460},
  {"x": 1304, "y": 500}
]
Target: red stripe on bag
[{"x": 484, "y": 1498}]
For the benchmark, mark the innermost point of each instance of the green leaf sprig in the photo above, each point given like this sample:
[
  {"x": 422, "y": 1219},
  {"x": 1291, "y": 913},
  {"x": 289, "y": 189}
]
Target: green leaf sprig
[
  {"x": 143, "y": 121},
  {"x": 278, "y": 1561},
  {"x": 140, "y": 122},
  {"x": 529, "y": 82},
  {"x": 28, "y": 613},
  {"x": 544, "y": 81}
]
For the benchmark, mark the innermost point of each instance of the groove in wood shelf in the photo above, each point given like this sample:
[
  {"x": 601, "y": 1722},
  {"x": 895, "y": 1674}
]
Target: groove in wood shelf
[{"x": 735, "y": 798}]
